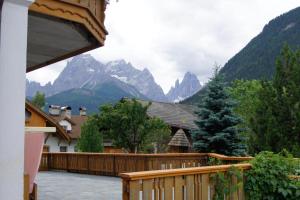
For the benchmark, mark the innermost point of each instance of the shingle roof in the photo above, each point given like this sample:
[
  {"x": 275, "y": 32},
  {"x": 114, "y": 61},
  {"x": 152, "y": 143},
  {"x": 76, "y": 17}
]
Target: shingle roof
[
  {"x": 76, "y": 129},
  {"x": 76, "y": 121},
  {"x": 178, "y": 115},
  {"x": 179, "y": 139}
]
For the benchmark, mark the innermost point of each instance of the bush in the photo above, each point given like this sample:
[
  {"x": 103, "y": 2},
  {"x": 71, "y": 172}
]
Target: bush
[{"x": 269, "y": 177}]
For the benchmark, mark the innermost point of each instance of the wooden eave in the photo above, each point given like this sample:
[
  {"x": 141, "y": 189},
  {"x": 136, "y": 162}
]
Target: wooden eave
[
  {"x": 89, "y": 13},
  {"x": 62, "y": 133}
]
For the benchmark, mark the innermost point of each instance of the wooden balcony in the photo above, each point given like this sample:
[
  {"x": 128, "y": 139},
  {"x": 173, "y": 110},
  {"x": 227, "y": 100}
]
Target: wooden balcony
[{"x": 59, "y": 29}]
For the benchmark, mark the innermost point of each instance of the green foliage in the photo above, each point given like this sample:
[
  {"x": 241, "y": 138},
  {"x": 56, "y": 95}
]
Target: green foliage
[
  {"x": 39, "y": 100},
  {"x": 217, "y": 124},
  {"x": 256, "y": 60},
  {"x": 223, "y": 182},
  {"x": 91, "y": 139},
  {"x": 129, "y": 126},
  {"x": 276, "y": 121},
  {"x": 245, "y": 93},
  {"x": 269, "y": 177},
  {"x": 157, "y": 141}
]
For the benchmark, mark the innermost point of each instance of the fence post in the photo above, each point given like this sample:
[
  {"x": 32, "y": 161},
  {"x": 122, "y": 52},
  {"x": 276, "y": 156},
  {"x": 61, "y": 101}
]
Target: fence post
[
  {"x": 114, "y": 166},
  {"x": 26, "y": 187},
  {"x": 48, "y": 161},
  {"x": 125, "y": 193},
  {"x": 67, "y": 162}
]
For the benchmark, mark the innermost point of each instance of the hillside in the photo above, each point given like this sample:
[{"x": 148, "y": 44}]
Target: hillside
[
  {"x": 108, "y": 92},
  {"x": 257, "y": 59}
]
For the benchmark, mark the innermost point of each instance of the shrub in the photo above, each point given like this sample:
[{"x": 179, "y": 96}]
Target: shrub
[{"x": 269, "y": 177}]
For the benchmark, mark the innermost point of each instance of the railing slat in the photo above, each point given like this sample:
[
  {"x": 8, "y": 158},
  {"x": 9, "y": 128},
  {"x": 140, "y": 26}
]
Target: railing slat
[
  {"x": 168, "y": 188},
  {"x": 134, "y": 190},
  {"x": 147, "y": 189},
  {"x": 204, "y": 186},
  {"x": 190, "y": 187},
  {"x": 179, "y": 182}
]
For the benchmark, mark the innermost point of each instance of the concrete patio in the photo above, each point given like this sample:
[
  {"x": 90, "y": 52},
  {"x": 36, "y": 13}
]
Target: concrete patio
[{"x": 54, "y": 185}]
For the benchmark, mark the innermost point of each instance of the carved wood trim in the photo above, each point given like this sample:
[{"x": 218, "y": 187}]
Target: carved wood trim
[{"x": 72, "y": 11}]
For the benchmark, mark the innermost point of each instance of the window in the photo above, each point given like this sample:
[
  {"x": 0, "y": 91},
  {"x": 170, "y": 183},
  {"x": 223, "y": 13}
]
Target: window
[{"x": 63, "y": 148}]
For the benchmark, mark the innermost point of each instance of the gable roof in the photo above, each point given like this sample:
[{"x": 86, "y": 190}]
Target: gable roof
[
  {"x": 76, "y": 129},
  {"x": 179, "y": 139},
  {"x": 60, "y": 118},
  {"x": 173, "y": 114},
  {"x": 76, "y": 121},
  {"x": 59, "y": 130}
]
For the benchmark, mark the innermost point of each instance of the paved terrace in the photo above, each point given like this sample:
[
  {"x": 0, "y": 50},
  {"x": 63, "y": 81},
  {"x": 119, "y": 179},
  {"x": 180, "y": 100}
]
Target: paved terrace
[{"x": 54, "y": 185}]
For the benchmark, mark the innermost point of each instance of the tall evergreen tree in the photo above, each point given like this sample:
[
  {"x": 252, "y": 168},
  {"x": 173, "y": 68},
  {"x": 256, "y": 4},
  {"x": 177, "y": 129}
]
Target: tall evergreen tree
[
  {"x": 217, "y": 124},
  {"x": 276, "y": 123}
]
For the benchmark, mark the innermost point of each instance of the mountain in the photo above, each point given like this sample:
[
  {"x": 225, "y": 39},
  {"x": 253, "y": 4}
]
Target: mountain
[
  {"x": 108, "y": 92},
  {"x": 84, "y": 71},
  {"x": 142, "y": 80},
  {"x": 257, "y": 59},
  {"x": 32, "y": 87},
  {"x": 188, "y": 87},
  {"x": 81, "y": 70}
]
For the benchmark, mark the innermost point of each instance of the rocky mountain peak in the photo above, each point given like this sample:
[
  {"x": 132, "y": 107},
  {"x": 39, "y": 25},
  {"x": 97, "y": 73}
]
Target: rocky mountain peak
[{"x": 188, "y": 87}]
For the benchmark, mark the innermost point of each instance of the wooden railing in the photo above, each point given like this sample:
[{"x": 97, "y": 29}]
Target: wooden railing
[
  {"x": 178, "y": 184},
  {"x": 114, "y": 164}
]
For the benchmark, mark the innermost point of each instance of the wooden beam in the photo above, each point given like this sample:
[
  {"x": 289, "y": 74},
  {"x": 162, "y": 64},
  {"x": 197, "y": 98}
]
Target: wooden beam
[
  {"x": 181, "y": 172},
  {"x": 40, "y": 129}
]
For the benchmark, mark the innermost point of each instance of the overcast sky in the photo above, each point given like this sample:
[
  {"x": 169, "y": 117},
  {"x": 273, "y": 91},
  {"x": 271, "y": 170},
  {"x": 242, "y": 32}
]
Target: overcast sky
[{"x": 175, "y": 36}]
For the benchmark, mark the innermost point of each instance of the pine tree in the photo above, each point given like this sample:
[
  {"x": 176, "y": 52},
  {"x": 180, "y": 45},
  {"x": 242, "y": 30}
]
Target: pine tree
[
  {"x": 91, "y": 139},
  {"x": 276, "y": 123},
  {"x": 217, "y": 125}
]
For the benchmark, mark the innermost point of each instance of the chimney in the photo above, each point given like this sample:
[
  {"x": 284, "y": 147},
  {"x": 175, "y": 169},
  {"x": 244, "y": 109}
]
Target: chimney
[
  {"x": 66, "y": 111},
  {"x": 82, "y": 111},
  {"x": 54, "y": 110}
]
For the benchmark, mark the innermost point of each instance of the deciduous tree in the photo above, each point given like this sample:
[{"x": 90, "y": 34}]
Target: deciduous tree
[
  {"x": 39, "y": 100},
  {"x": 129, "y": 126},
  {"x": 91, "y": 140}
]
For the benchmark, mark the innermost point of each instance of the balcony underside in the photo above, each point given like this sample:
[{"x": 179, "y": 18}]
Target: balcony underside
[{"x": 59, "y": 29}]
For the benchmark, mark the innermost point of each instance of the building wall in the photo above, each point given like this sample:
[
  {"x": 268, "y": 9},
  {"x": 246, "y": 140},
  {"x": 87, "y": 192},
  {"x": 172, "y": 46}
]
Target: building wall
[
  {"x": 35, "y": 120},
  {"x": 54, "y": 144}
]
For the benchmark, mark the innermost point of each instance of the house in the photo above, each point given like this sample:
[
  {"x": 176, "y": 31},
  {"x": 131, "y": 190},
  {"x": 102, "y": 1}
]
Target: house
[
  {"x": 72, "y": 126},
  {"x": 54, "y": 142},
  {"x": 34, "y": 34},
  {"x": 181, "y": 120}
]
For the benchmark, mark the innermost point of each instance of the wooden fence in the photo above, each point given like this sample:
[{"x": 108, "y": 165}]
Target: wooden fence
[
  {"x": 114, "y": 164},
  {"x": 178, "y": 184}
]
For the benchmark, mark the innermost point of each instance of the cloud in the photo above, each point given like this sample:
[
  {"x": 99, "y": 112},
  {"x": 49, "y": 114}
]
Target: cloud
[{"x": 172, "y": 37}]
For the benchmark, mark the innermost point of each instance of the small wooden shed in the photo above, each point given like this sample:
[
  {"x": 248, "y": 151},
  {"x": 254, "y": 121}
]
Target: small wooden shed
[{"x": 179, "y": 142}]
